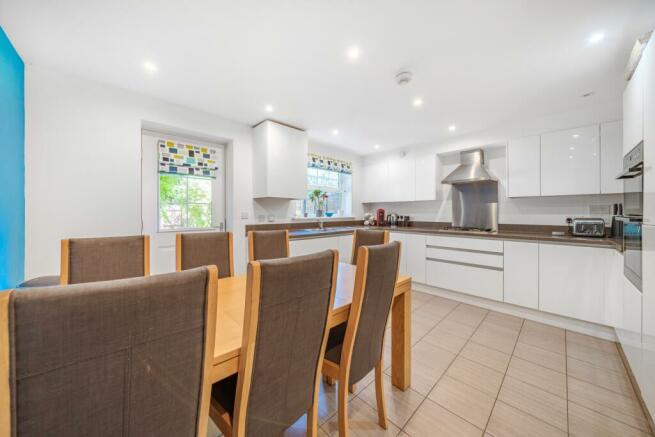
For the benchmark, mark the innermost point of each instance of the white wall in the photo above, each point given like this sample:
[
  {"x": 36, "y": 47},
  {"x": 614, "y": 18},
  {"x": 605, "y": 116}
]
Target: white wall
[
  {"x": 83, "y": 162},
  {"x": 536, "y": 210},
  {"x": 283, "y": 210}
]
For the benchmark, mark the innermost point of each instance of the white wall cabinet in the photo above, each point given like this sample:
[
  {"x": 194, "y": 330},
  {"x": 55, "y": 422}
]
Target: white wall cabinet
[
  {"x": 633, "y": 110},
  {"x": 400, "y": 177},
  {"x": 521, "y": 268},
  {"x": 375, "y": 183},
  {"x": 570, "y": 162},
  {"x": 647, "y": 69},
  {"x": 523, "y": 167},
  {"x": 400, "y": 182},
  {"x": 279, "y": 161},
  {"x": 571, "y": 281},
  {"x": 611, "y": 157},
  {"x": 425, "y": 177}
]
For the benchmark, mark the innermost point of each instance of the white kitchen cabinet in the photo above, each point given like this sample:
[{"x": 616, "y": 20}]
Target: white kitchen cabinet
[
  {"x": 279, "y": 161},
  {"x": 523, "y": 167},
  {"x": 402, "y": 263},
  {"x": 630, "y": 330},
  {"x": 647, "y": 68},
  {"x": 647, "y": 378},
  {"x": 345, "y": 246},
  {"x": 425, "y": 177},
  {"x": 570, "y": 162},
  {"x": 484, "y": 282},
  {"x": 611, "y": 157},
  {"x": 521, "y": 273},
  {"x": 465, "y": 243},
  {"x": 401, "y": 181},
  {"x": 633, "y": 110},
  {"x": 414, "y": 254},
  {"x": 375, "y": 181},
  {"x": 306, "y": 246},
  {"x": 572, "y": 281},
  {"x": 614, "y": 291}
]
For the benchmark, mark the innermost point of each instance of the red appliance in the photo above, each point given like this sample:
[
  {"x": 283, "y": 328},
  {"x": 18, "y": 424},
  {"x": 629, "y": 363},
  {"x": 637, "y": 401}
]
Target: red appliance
[{"x": 380, "y": 217}]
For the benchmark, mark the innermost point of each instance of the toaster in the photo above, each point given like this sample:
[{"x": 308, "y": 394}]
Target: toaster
[{"x": 588, "y": 227}]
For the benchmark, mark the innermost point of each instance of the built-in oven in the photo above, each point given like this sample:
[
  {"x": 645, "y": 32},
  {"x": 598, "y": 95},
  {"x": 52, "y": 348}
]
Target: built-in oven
[{"x": 633, "y": 210}]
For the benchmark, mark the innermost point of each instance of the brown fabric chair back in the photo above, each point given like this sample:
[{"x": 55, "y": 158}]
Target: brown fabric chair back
[
  {"x": 367, "y": 237},
  {"x": 104, "y": 259},
  {"x": 381, "y": 277},
  {"x": 197, "y": 249},
  {"x": 295, "y": 300},
  {"x": 116, "y": 358},
  {"x": 263, "y": 245}
]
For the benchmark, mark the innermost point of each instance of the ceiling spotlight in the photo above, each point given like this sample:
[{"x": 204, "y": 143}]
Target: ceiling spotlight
[
  {"x": 417, "y": 102},
  {"x": 150, "y": 67},
  {"x": 595, "y": 38},
  {"x": 452, "y": 128},
  {"x": 376, "y": 147},
  {"x": 268, "y": 108},
  {"x": 575, "y": 136},
  {"x": 353, "y": 53},
  {"x": 335, "y": 132}
]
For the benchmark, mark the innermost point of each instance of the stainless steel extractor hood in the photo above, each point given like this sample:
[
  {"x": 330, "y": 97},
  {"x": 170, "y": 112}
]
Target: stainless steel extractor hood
[{"x": 471, "y": 169}]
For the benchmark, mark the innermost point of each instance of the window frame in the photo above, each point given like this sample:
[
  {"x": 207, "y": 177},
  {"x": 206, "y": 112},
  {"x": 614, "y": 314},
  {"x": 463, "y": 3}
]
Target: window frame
[
  {"x": 328, "y": 189},
  {"x": 185, "y": 228}
]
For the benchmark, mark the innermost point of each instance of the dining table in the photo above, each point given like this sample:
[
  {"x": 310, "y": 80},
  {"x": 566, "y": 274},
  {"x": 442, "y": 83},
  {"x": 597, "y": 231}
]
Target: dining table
[{"x": 230, "y": 310}]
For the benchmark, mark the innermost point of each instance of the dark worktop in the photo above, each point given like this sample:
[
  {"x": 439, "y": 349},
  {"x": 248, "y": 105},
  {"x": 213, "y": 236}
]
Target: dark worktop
[{"x": 536, "y": 233}]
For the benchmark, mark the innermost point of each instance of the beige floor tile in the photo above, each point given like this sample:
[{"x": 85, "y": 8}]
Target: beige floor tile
[
  {"x": 551, "y": 360},
  {"x": 476, "y": 375},
  {"x": 588, "y": 340},
  {"x": 437, "y": 308},
  {"x": 327, "y": 401},
  {"x": 541, "y": 377},
  {"x": 504, "y": 320},
  {"x": 299, "y": 429},
  {"x": 483, "y": 355},
  {"x": 618, "y": 382},
  {"x": 507, "y": 421},
  {"x": 495, "y": 337},
  {"x": 464, "y": 400},
  {"x": 543, "y": 336},
  {"x": 468, "y": 314},
  {"x": 622, "y": 408},
  {"x": 362, "y": 421},
  {"x": 431, "y": 419},
  {"x": 584, "y": 422},
  {"x": 608, "y": 360},
  {"x": 420, "y": 327},
  {"x": 419, "y": 299},
  {"x": 400, "y": 404},
  {"x": 456, "y": 328},
  {"x": 443, "y": 339},
  {"x": 428, "y": 364},
  {"x": 534, "y": 401}
]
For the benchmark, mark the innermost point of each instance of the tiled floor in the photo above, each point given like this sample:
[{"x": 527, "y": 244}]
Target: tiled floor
[{"x": 481, "y": 373}]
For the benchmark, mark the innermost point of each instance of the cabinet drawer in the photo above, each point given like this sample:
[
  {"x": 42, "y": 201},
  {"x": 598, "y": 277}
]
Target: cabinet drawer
[
  {"x": 477, "y": 281},
  {"x": 479, "y": 244},
  {"x": 465, "y": 256}
]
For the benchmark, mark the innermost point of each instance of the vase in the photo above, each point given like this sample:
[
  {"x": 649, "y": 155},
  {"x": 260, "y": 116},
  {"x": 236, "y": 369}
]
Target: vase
[{"x": 319, "y": 213}]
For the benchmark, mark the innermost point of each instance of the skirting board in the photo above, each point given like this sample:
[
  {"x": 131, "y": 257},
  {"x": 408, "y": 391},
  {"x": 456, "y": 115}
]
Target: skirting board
[{"x": 593, "y": 329}]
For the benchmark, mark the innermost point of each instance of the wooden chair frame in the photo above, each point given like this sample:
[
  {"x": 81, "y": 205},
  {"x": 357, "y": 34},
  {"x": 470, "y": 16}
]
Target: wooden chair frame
[
  {"x": 178, "y": 252},
  {"x": 237, "y": 426},
  {"x": 251, "y": 245},
  {"x": 341, "y": 371},
  {"x": 354, "y": 254},
  {"x": 64, "y": 272},
  {"x": 207, "y": 364}
]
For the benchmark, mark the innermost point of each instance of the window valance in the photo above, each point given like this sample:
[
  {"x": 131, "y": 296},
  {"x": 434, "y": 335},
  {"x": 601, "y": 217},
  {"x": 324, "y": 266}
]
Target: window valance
[
  {"x": 187, "y": 159},
  {"x": 327, "y": 163}
]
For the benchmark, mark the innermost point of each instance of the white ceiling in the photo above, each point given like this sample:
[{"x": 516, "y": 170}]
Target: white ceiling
[{"x": 476, "y": 64}]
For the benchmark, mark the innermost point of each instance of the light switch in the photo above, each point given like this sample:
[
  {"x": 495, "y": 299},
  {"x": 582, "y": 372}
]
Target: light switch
[{"x": 244, "y": 215}]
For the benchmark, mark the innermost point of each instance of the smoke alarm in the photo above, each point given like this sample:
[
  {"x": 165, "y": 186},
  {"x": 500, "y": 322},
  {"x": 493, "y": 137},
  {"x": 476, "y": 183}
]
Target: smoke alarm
[{"x": 403, "y": 78}]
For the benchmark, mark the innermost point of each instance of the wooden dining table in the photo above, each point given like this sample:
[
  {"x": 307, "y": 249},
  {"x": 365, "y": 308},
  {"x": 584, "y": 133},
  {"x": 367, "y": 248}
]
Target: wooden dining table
[{"x": 230, "y": 313}]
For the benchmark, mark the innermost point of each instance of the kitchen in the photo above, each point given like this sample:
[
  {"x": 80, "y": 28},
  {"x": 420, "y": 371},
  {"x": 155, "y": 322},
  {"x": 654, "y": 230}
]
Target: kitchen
[{"x": 510, "y": 152}]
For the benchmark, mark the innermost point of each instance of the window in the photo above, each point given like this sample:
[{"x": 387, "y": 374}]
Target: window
[
  {"x": 185, "y": 202},
  {"x": 337, "y": 186}
]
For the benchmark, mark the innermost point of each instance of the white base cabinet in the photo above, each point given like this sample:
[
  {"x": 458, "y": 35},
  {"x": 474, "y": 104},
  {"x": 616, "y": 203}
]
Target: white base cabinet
[
  {"x": 306, "y": 246},
  {"x": 522, "y": 274},
  {"x": 484, "y": 282}
]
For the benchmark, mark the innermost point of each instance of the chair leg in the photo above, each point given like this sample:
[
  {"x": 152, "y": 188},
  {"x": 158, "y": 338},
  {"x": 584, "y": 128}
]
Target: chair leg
[
  {"x": 379, "y": 395},
  {"x": 312, "y": 419},
  {"x": 352, "y": 388},
  {"x": 343, "y": 409},
  {"x": 329, "y": 381}
]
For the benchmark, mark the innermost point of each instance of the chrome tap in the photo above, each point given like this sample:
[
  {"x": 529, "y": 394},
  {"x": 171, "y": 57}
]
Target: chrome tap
[{"x": 320, "y": 223}]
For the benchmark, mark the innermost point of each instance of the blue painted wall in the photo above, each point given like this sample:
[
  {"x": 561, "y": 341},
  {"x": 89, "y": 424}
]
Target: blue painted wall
[{"x": 12, "y": 165}]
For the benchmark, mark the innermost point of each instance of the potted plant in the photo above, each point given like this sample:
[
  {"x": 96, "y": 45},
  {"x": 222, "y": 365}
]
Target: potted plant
[{"x": 318, "y": 198}]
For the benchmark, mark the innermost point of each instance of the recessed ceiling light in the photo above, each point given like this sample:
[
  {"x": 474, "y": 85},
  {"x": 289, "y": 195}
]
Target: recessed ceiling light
[
  {"x": 353, "y": 53},
  {"x": 576, "y": 136},
  {"x": 571, "y": 148},
  {"x": 570, "y": 156},
  {"x": 335, "y": 131},
  {"x": 150, "y": 67},
  {"x": 595, "y": 38},
  {"x": 268, "y": 108},
  {"x": 452, "y": 128},
  {"x": 417, "y": 102},
  {"x": 376, "y": 147}
]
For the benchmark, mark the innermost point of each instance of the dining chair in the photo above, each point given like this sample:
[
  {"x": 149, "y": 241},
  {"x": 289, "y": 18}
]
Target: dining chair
[
  {"x": 367, "y": 237},
  {"x": 288, "y": 304},
  {"x": 104, "y": 259},
  {"x": 129, "y": 357},
  {"x": 355, "y": 347},
  {"x": 196, "y": 249},
  {"x": 263, "y": 245}
]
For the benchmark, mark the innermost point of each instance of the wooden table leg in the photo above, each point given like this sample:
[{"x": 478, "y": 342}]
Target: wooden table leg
[{"x": 401, "y": 340}]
